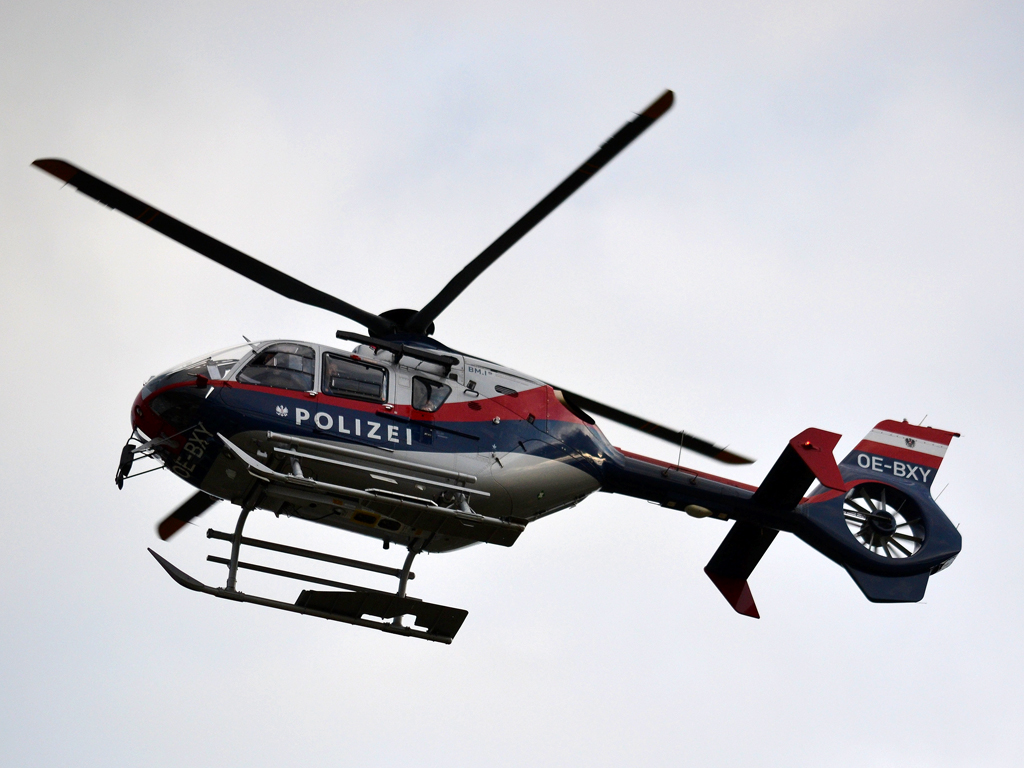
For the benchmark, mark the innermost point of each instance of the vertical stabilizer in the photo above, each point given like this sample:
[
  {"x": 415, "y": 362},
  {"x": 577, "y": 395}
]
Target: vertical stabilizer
[{"x": 902, "y": 451}]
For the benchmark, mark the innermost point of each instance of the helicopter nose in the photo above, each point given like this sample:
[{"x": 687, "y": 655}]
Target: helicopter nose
[
  {"x": 146, "y": 415},
  {"x": 167, "y": 411},
  {"x": 142, "y": 414}
]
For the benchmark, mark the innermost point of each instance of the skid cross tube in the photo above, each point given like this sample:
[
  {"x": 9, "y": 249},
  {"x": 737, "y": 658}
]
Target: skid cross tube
[
  {"x": 309, "y": 554},
  {"x": 290, "y": 574}
]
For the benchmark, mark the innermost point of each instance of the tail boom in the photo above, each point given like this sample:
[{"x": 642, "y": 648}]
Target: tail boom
[{"x": 873, "y": 513}]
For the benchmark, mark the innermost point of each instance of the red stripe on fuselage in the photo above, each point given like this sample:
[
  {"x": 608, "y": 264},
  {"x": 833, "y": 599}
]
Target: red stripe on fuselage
[
  {"x": 312, "y": 400},
  {"x": 539, "y": 401}
]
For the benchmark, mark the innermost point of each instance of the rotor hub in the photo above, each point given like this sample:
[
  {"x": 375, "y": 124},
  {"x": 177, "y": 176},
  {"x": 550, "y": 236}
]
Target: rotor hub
[
  {"x": 402, "y": 316},
  {"x": 883, "y": 523}
]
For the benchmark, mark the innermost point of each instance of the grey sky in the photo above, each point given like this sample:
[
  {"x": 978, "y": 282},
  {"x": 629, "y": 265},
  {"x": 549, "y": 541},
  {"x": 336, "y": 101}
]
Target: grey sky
[{"x": 826, "y": 230}]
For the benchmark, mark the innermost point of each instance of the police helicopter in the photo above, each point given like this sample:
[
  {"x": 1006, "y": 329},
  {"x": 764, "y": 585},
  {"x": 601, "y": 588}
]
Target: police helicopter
[{"x": 404, "y": 439}]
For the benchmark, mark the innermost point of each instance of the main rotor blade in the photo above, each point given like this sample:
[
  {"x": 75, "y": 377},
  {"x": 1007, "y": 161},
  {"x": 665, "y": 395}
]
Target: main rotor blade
[
  {"x": 223, "y": 254},
  {"x": 190, "y": 509},
  {"x": 419, "y": 322},
  {"x": 670, "y": 435}
]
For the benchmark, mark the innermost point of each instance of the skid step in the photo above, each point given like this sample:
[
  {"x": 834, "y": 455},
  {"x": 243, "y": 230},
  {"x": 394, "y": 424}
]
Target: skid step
[
  {"x": 436, "y": 620},
  {"x": 439, "y": 623}
]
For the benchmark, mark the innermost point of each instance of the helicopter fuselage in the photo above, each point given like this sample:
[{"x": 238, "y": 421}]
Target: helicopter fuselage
[{"x": 484, "y": 436}]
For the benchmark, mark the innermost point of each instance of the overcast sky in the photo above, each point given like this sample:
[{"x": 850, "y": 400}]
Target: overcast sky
[{"x": 826, "y": 230}]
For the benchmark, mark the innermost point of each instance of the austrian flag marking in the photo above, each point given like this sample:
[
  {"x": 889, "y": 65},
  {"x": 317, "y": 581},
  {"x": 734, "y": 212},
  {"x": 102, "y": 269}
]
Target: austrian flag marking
[
  {"x": 903, "y": 450},
  {"x": 884, "y": 437}
]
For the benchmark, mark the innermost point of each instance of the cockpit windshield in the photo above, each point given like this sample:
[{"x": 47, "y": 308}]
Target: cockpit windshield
[
  {"x": 217, "y": 366},
  {"x": 213, "y": 366}
]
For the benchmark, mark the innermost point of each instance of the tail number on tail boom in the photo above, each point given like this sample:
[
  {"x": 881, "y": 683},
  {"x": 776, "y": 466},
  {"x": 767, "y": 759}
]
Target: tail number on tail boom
[{"x": 895, "y": 468}]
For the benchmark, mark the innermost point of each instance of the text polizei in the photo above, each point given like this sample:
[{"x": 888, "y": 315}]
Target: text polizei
[{"x": 373, "y": 430}]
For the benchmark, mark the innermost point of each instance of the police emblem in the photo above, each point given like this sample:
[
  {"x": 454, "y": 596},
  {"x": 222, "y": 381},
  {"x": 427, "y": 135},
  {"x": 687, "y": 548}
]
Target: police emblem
[
  {"x": 282, "y": 411},
  {"x": 911, "y": 442}
]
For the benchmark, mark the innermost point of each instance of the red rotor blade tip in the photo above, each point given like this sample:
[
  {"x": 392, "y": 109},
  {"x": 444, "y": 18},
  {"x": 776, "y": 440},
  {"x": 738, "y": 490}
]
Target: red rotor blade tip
[
  {"x": 659, "y": 107},
  {"x": 62, "y": 170}
]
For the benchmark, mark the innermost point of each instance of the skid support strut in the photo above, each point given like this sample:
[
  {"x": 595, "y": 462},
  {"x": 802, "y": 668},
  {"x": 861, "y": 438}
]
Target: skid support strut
[
  {"x": 236, "y": 546},
  {"x": 404, "y": 575}
]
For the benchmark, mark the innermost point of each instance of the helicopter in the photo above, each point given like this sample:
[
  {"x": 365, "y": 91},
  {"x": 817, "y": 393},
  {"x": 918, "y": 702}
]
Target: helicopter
[{"x": 416, "y": 444}]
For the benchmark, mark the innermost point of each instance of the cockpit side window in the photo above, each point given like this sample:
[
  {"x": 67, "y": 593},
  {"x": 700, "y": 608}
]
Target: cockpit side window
[
  {"x": 344, "y": 377},
  {"x": 285, "y": 366},
  {"x": 428, "y": 395}
]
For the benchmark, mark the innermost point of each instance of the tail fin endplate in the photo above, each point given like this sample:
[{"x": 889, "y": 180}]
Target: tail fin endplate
[{"x": 808, "y": 456}]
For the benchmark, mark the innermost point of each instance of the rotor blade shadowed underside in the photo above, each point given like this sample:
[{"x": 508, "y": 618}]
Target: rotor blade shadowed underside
[
  {"x": 675, "y": 437},
  {"x": 190, "y": 509},
  {"x": 223, "y": 254},
  {"x": 419, "y": 322}
]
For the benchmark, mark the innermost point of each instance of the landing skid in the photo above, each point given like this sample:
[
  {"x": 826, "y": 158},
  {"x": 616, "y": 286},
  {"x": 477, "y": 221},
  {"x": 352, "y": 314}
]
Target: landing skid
[{"x": 348, "y": 603}]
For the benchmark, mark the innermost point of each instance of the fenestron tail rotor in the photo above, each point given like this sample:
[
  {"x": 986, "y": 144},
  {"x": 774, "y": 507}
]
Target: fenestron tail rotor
[{"x": 884, "y": 519}]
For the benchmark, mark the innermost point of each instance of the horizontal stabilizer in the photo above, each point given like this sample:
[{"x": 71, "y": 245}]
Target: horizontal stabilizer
[
  {"x": 808, "y": 456},
  {"x": 737, "y": 592},
  {"x": 890, "y": 589},
  {"x": 734, "y": 561}
]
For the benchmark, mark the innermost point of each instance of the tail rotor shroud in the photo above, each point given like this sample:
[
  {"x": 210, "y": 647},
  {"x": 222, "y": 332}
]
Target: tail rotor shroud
[{"x": 885, "y": 520}]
